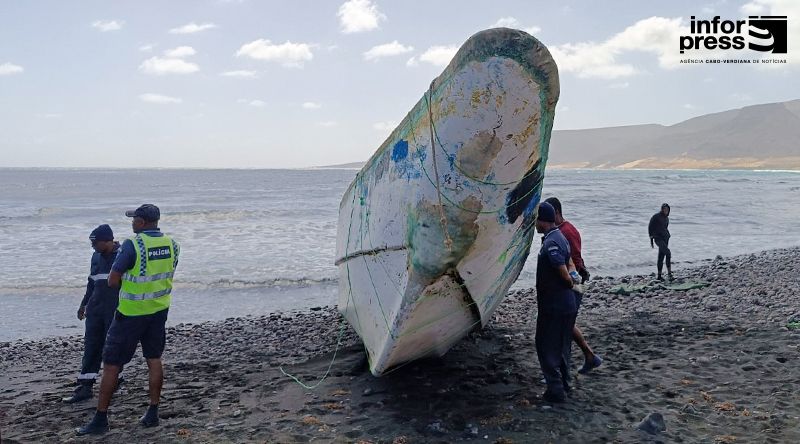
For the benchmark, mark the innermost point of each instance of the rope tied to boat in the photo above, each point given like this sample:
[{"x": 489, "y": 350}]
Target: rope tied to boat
[{"x": 448, "y": 243}]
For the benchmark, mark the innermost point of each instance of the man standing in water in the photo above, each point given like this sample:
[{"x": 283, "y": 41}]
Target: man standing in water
[
  {"x": 557, "y": 306},
  {"x": 591, "y": 361},
  {"x": 143, "y": 271},
  {"x": 659, "y": 233}
]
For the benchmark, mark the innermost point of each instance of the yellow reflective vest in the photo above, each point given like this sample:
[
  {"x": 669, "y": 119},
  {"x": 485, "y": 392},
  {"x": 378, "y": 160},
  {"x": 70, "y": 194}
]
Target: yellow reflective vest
[{"x": 147, "y": 287}]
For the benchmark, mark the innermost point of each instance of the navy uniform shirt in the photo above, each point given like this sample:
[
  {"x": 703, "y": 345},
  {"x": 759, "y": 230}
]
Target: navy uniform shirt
[
  {"x": 553, "y": 295},
  {"x": 100, "y": 299}
]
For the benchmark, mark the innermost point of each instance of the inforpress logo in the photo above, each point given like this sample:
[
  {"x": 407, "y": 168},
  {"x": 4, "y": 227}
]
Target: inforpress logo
[
  {"x": 766, "y": 33},
  {"x": 770, "y": 29}
]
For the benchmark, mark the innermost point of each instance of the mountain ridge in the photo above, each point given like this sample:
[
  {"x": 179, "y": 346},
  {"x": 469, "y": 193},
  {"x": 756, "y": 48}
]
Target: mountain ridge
[{"x": 762, "y": 136}]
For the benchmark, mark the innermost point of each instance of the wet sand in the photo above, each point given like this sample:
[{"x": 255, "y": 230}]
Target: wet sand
[{"x": 719, "y": 364}]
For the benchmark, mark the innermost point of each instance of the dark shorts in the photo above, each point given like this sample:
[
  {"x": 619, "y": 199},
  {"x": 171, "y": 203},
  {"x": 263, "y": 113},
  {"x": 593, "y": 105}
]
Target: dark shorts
[{"x": 126, "y": 332}]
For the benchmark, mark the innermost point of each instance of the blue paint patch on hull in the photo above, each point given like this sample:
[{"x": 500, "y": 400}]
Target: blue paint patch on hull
[{"x": 400, "y": 150}]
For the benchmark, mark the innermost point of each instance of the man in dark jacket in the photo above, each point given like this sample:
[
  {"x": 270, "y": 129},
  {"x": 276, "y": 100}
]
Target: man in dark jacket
[
  {"x": 97, "y": 308},
  {"x": 573, "y": 237},
  {"x": 659, "y": 233}
]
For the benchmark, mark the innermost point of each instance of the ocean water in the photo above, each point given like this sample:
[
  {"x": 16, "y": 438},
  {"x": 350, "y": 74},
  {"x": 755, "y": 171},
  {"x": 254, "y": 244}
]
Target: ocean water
[{"x": 258, "y": 241}]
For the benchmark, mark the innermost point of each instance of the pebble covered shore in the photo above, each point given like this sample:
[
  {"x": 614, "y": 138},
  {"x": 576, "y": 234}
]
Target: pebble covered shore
[{"x": 716, "y": 364}]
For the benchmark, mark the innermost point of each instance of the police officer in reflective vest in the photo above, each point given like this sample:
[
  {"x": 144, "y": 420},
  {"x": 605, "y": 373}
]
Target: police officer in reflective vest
[{"x": 143, "y": 271}]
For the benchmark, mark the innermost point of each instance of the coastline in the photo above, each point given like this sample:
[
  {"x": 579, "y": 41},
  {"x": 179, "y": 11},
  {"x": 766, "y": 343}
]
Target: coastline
[{"x": 717, "y": 362}]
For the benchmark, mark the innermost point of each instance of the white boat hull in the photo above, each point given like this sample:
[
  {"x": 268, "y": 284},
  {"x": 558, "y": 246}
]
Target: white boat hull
[{"x": 432, "y": 235}]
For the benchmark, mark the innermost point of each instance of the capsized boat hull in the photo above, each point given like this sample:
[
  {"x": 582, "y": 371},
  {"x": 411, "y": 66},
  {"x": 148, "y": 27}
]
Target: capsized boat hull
[{"x": 437, "y": 225}]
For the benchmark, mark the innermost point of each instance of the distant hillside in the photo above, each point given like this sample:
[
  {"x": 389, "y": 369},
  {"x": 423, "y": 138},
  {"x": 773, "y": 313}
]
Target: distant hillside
[
  {"x": 754, "y": 137},
  {"x": 344, "y": 166},
  {"x": 759, "y": 136}
]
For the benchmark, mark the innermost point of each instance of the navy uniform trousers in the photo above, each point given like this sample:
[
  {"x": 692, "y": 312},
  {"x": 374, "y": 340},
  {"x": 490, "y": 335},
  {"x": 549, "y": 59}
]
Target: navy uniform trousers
[
  {"x": 93, "y": 341},
  {"x": 554, "y": 346}
]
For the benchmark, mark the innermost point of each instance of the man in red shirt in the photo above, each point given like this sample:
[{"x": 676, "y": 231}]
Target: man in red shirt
[{"x": 569, "y": 231}]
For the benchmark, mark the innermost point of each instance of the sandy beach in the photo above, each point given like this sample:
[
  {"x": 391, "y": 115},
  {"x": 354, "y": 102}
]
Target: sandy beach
[{"x": 719, "y": 363}]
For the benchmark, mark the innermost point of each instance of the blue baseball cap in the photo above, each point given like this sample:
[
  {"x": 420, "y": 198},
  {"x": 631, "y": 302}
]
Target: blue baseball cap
[
  {"x": 546, "y": 213},
  {"x": 148, "y": 212},
  {"x": 102, "y": 233}
]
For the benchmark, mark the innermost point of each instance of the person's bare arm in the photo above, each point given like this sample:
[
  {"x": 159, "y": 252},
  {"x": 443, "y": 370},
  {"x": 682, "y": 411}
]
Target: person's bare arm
[{"x": 114, "y": 279}]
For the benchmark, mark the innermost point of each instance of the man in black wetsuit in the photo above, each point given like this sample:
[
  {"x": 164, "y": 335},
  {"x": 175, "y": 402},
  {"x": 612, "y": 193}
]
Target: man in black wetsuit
[{"x": 659, "y": 233}]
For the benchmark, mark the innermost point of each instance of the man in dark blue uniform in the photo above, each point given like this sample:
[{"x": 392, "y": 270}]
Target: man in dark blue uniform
[
  {"x": 97, "y": 308},
  {"x": 557, "y": 306}
]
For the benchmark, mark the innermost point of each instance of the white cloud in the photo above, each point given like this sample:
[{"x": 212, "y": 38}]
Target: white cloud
[
  {"x": 753, "y": 8},
  {"x": 412, "y": 62},
  {"x": 328, "y": 124},
  {"x": 256, "y": 103},
  {"x": 191, "y": 28},
  {"x": 159, "y": 99},
  {"x": 512, "y": 22},
  {"x": 688, "y": 106},
  {"x": 387, "y": 50},
  {"x": 311, "y": 105},
  {"x": 741, "y": 97},
  {"x": 160, "y": 66},
  {"x": 287, "y": 54},
  {"x": 147, "y": 48},
  {"x": 241, "y": 74},
  {"x": 656, "y": 35},
  {"x": 619, "y": 85},
  {"x": 7, "y": 69},
  {"x": 438, "y": 55},
  {"x": 180, "y": 51},
  {"x": 385, "y": 126},
  {"x": 359, "y": 16},
  {"x": 108, "y": 25}
]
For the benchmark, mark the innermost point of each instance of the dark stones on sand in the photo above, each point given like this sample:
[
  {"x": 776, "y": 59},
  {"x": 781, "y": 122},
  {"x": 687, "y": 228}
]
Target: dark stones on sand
[
  {"x": 436, "y": 427},
  {"x": 653, "y": 424}
]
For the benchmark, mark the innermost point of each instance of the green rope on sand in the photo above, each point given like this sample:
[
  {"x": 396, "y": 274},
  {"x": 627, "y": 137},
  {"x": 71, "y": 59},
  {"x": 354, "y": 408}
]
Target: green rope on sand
[{"x": 328, "y": 370}]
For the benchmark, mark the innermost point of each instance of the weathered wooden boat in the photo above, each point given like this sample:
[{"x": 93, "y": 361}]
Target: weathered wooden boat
[{"x": 437, "y": 225}]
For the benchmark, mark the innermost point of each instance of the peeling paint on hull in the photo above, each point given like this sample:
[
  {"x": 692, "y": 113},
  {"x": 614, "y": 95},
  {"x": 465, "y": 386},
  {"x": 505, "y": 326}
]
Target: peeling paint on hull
[{"x": 413, "y": 283}]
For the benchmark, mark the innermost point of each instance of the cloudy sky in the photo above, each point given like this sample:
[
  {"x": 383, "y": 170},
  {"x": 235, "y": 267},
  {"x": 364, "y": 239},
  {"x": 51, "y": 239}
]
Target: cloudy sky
[{"x": 249, "y": 83}]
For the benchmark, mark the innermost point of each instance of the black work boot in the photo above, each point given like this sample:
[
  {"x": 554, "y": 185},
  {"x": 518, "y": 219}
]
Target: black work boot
[
  {"x": 82, "y": 392},
  {"x": 97, "y": 426},
  {"x": 150, "y": 418}
]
